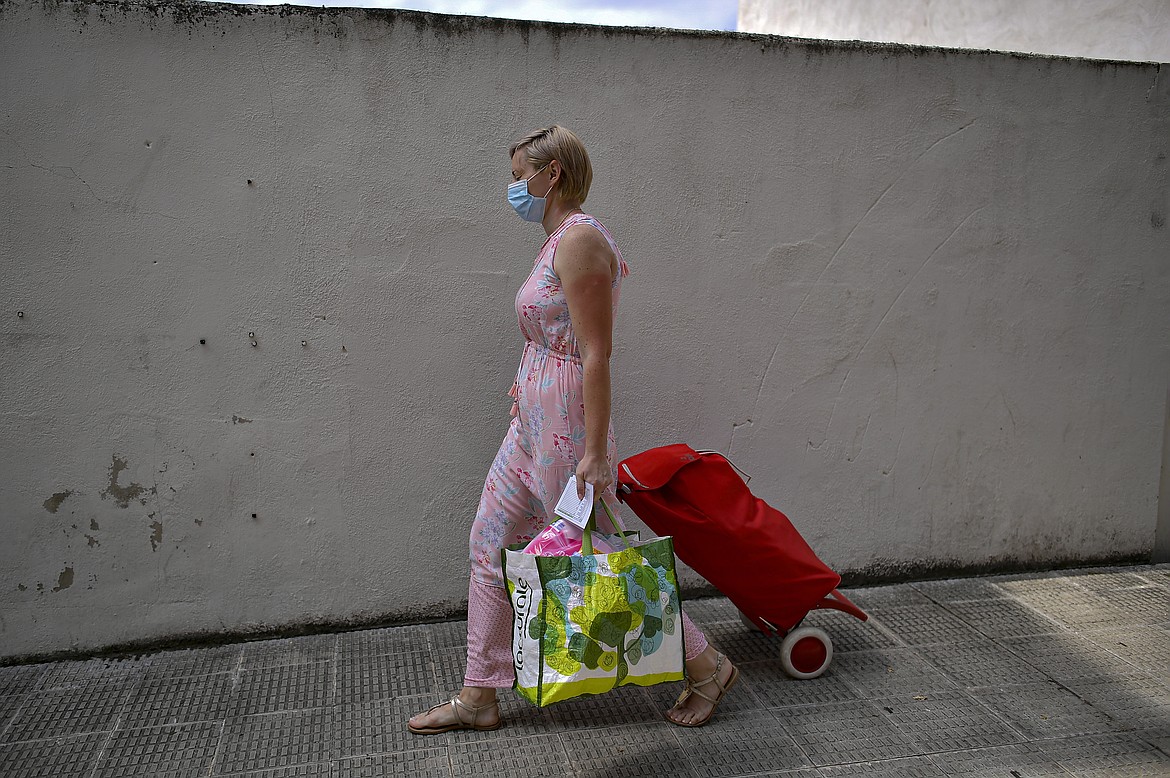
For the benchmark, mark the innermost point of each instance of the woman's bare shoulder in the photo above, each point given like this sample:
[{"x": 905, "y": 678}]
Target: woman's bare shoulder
[{"x": 584, "y": 248}]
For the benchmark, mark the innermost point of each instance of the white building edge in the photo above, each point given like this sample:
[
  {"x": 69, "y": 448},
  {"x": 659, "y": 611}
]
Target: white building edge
[{"x": 1137, "y": 30}]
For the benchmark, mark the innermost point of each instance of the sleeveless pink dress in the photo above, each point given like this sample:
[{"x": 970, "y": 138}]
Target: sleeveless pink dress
[
  {"x": 539, "y": 454},
  {"x": 546, "y": 438}
]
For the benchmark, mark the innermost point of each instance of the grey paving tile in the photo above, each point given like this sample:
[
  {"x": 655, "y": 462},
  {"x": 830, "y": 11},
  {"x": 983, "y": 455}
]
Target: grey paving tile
[
  {"x": 623, "y": 705},
  {"x": 924, "y": 624},
  {"x": 1144, "y": 647},
  {"x": 740, "y": 744},
  {"x": 1079, "y": 609},
  {"x": 340, "y": 703},
  {"x": 304, "y": 770},
  {"x": 289, "y": 651},
  {"x": 419, "y": 763},
  {"x": 1044, "y": 710},
  {"x": 20, "y": 679},
  {"x": 447, "y": 634},
  {"x": 1158, "y": 740},
  {"x": 91, "y": 671},
  {"x": 1108, "y": 756},
  {"x": 386, "y": 675},
  {"x": 960, "y": 590},
  {"x": 195, "y": 661},
  {"x": 890, "y": 671},
  {"x": 1062, "y": 655},
  {"x": 178, "y": 699},
  {"x": 846, "y": 732},
  {"x": 897, "y": 596},
  {"x": 632, "y": 751},
  {"x": 276, "y": 740},
  {"x": 387, "y": 640},
  {"x": 914, "y": 767},
  {"x": 741, "y": 643},
  {"x": 708, "y": 610},
  {"x": 283, "y": 687},
  {"x": 1025, "y": 584},
  {"x": 1104, "y": 581},
  {"x": 739, "y": 698},
  {"x": 1145, "y": 605},
  {"x": 450, "y": 666},
  {"x": 377, "y": 727},
  {"x": 980, "y": 663},
  {"x": 1157, "y": 577},
  {"x": 1003, "y": 618},
  {"x": 1024, "y": 760},
  {"x": 61, "y": 757},
  {"x": 848, "y": 633},
  {"x": 9, "y": 705},
  {"x": 69, "y": 710},
  {"x": 1130, "y": 697},
  {"x": 521, "y": 719},
  {"x": 539, "y": 755},
  {"x": 946, "y": 721},
  {"x": 177, "y": 751},
  {"x": 774, "y": 688}
]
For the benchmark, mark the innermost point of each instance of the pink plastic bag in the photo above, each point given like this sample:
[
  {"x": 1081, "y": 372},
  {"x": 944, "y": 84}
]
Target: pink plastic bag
[{"x": 563, "y": 539}]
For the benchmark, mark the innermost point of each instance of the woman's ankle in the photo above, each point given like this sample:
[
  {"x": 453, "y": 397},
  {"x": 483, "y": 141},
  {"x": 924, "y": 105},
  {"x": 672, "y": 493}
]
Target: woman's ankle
[
  {"x": 478, "y": 695},
  {"x": 704, "y": 664}
]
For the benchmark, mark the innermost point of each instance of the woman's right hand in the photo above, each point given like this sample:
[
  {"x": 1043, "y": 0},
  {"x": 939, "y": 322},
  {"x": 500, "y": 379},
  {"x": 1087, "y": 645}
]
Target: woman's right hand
[{"x": 593, "y": 469}]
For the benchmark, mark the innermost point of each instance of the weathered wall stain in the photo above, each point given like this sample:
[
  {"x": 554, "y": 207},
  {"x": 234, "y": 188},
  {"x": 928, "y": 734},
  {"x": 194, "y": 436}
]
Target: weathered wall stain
[
  {"x": 156, "y": 535},
  {"x": 64, "y": 580},
  {"x": 54, "y": 502},
  {"x": 124, "y": 494}
]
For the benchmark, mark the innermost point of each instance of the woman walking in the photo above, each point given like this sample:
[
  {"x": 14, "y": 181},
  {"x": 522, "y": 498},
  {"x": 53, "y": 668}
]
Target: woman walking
[{"x": 560, "y": 428}]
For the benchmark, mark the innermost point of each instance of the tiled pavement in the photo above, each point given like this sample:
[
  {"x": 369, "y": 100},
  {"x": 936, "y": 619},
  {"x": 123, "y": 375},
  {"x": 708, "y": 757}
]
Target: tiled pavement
[{"x": 1049, "y": 674}]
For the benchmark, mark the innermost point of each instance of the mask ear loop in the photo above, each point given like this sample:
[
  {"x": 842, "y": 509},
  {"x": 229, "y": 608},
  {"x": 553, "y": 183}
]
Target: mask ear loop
[
  {"x": 550, "y": 183},
  {"x": 537, "y": 173}
]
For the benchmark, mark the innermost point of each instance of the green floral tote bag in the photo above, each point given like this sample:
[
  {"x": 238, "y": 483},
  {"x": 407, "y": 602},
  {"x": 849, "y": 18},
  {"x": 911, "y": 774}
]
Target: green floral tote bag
[{"x": 585, "y": 623}]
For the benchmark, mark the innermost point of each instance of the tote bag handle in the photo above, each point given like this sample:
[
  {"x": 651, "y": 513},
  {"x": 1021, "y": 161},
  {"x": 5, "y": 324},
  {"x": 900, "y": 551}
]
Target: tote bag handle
[{"x": 587, "y": 536}]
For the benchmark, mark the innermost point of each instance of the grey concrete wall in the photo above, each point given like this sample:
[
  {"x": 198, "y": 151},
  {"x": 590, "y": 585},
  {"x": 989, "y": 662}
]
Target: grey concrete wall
[
  {"x": 923, "y": 296},
  {"x": 1104, "y": 29}
]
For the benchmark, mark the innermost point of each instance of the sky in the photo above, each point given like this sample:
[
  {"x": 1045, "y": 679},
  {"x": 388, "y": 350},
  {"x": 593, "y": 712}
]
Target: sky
[{"x": 686, "y": 14}]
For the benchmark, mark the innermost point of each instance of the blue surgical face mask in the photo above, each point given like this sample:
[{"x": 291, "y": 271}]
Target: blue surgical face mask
[{"x": 530, "y": 207}]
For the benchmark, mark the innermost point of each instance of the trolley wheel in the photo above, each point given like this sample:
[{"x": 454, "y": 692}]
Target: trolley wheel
[{"x": 806, "y": 652}]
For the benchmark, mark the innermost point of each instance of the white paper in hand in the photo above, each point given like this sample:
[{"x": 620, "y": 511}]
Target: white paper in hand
[{"x": 570, "y": 508}]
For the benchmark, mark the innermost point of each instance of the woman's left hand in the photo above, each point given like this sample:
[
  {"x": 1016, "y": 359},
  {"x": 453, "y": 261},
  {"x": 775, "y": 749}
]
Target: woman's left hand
[{"x": 593, "y": 469}]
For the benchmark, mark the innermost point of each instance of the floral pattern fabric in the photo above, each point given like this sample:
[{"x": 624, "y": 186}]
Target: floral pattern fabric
[
  {"x": 546, "y": 437},
  {"x": 586, "y": 623}
]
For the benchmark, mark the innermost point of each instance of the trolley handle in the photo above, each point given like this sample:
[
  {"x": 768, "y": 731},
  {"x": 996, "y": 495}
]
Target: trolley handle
[{"x": 746, "y": 475}]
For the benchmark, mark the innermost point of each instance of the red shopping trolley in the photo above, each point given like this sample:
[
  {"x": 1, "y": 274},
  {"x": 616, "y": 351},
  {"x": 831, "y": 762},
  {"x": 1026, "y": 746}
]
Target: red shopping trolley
[{"x": 744, "y": 547}]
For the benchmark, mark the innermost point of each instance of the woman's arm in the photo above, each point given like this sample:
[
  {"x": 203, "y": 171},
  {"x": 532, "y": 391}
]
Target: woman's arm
[{"x": 582, "y": 262}]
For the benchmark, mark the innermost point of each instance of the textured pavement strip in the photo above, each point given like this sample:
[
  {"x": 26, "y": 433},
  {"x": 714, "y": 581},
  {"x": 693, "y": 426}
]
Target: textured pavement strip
[{"x": 1063, "y": 673}]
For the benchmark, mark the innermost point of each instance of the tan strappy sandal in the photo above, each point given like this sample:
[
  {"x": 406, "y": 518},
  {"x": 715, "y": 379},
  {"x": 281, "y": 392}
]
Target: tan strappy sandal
[
  {"x": 459, "y": 722},
  {"x": 692, "y": 688}
]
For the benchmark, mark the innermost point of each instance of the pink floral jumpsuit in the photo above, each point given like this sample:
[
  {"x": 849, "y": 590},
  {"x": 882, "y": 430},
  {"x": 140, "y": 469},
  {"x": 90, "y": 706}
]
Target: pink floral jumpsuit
[{"x": 539, "y": 454}]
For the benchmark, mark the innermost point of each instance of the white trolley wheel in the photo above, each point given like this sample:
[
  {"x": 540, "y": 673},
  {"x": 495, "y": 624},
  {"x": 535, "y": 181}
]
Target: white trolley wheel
[{"x": 806, "y": 652}]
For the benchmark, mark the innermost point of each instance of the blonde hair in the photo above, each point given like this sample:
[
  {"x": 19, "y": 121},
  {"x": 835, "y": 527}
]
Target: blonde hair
[{"x": 542, "y": 146}]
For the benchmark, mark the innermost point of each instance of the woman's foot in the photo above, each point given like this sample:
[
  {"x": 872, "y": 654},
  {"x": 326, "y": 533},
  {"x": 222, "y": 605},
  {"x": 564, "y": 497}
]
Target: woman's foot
[
  {"x": 709, "y": 676},
  {"x": 472, "y": 708}
]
